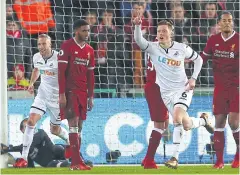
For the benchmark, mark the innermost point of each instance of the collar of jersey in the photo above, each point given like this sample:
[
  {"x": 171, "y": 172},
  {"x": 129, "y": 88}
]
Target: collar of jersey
[
  {"x": 168, "y": 47},
  {"x": 46, "y": 59}
]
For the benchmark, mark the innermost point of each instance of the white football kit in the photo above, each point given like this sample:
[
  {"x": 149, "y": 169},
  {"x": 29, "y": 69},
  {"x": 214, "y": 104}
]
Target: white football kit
[
  {"x": 169, "y": 66},
  {"x": 48, "y": 92}
]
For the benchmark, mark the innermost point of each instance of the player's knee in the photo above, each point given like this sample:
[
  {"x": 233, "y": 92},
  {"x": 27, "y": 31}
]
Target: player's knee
[
  {"x": 177, "y": 120},
  {"x": 159, "y": 125},
  {"x": 186, "y": 127},
  {"x": 233, "y": 120},
  {"x": 73, "y": 122},
  {"x": 220, "y": 121},
  {"x": 55, "y": 129}
]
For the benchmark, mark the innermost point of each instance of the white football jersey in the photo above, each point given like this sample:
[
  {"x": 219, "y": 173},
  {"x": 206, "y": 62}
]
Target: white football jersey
[
  {"x": 48, "y": 69},
  {"x": 169, "y": 64}
]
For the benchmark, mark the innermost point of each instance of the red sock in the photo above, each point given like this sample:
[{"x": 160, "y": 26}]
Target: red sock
[
  {"x": 74, "y": 144},
  {"x": 154, "y": 142},
  {"x": 219, "y": 144},
  {"x": 236, "y": 138},
  {"x": 80, "y": 140}
]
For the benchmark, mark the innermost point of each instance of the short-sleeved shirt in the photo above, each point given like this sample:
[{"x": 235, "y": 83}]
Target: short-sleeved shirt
[
  {"x": 79, "y": 60},
  {"x": 225, "y": 57}
]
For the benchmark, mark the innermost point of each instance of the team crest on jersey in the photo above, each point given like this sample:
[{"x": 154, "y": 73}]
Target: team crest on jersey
[
  {"x": 60, "y": 53},
  {"x": 176, "y": 53},
  {"x": 232, "y": 47}
]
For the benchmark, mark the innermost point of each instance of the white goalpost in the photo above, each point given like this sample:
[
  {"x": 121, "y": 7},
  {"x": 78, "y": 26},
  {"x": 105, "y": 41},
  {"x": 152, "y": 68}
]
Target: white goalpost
[{"x": 3, "y": 87}]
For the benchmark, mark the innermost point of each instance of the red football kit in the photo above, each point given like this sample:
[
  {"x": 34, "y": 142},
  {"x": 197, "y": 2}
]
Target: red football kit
[
  {"x": 76, "y": 77},
  {"x": 225, "y": 58}
]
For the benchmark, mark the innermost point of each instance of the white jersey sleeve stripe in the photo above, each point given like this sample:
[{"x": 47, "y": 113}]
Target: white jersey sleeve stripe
[
  {"x": 146, "y": 48},
  {"x": 204, "y": 53},
  {"x": 191, "y": 55},
  {"x": 91, "y": 68},
  {"x": 62, "y": 61},
  {"x": 195, "y": 58}
]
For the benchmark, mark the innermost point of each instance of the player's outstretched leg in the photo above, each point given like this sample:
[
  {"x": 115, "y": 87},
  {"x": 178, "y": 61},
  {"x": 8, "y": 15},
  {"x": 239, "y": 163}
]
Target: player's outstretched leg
[
  {"x": 202, "y": 121},
  {"x": 207, "y": 125},
  {"x": 183, "y": 121}
]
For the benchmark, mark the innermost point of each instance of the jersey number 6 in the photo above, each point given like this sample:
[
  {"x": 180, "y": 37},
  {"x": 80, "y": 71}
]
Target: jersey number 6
[{"x": 184, "y": 94}]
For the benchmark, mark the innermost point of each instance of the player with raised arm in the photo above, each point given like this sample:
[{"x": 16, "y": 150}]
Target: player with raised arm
[
  {"x": 223, "y": 49},
  {"x": 176, "y": 90},
  {"x": 158, "y": 114},
  {"x": 76, "y": 86},
  {"x": 45, "y": 64}
]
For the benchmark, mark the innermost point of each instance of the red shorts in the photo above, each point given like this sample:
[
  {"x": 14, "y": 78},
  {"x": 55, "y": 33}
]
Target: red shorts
[
  {"x": 157, "y": 108},
  {"x": 76, "y": 106},
  {"x": 225, "y": 100}
]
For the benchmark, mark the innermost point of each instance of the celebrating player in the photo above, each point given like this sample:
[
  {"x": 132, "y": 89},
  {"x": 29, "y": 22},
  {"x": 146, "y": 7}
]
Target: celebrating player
[
  {"x": 176, "y": 90},
  {"x": 45, "y": 63},
  {"x": 158, "y": 114},
  {"x": 76, "y": 85},
  {"x": 223, "y": 49}
]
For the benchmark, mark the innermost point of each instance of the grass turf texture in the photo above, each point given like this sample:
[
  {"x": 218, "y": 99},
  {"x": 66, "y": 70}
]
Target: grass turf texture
[{"x": 205, "y": 169}]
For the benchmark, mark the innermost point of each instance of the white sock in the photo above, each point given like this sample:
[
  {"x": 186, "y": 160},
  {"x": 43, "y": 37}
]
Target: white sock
[
  {"x": 27, "y": 140},
  {"x": 197, "y": 122},
  {"x": 159, "y": 130},
  {"x": 64, "y": 135},
  {"x": 177, "y": 138}
]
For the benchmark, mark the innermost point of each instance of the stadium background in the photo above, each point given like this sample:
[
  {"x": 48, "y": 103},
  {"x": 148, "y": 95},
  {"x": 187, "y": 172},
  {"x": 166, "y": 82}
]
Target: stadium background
[{"x": 120, "y": 119}]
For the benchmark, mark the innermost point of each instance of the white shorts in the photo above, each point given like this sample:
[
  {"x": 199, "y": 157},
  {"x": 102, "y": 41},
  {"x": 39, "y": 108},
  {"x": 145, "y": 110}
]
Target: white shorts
[
  {"x": 180, "y": 98},
  {"x": 40, "y": 106}
]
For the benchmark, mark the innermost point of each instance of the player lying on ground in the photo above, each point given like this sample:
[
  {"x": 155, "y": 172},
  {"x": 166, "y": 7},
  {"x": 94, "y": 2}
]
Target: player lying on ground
[
  {"x": 42, "y": 151},
  {"x": 176, "y": 90},
  {"x": 223, "y": 49},
  {"x": 45, "y": 64},
  {"x": 76, "y": 86}
]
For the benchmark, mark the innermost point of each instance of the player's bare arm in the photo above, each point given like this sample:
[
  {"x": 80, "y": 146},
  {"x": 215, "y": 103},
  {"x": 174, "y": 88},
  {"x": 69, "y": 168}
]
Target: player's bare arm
[
  {"x": 90, "y": 83},
  {"x": 34, "y": 77}
]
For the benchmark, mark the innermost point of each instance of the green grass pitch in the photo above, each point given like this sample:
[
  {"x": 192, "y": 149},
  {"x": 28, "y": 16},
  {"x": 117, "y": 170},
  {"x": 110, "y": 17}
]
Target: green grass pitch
[{"x": 191, "y": 169}]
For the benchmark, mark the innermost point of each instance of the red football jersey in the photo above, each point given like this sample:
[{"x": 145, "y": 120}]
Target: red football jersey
[
  {"x": 151, "y": 72},
  {"x": 78, "y": 61},
  {"x": 225, "y": 58}
]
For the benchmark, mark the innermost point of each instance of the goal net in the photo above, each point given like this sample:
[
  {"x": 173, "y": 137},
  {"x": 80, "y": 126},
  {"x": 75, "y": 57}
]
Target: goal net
[{"x": 120, "y": 119}]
